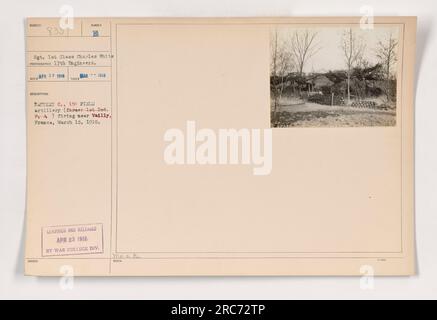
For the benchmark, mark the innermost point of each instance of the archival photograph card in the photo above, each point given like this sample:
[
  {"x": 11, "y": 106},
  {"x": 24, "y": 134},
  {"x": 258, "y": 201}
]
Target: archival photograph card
[{"x": 220, "y": 146}]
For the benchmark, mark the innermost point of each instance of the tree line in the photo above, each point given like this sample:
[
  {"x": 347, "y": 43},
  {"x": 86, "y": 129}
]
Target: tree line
[{"x": 290, "y": 55}]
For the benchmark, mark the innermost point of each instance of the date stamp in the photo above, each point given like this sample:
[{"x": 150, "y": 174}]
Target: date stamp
[{"x": 72, "y": 240}]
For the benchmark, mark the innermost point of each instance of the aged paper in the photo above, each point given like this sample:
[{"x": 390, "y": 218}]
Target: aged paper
[{"x": 225, "y": 146}]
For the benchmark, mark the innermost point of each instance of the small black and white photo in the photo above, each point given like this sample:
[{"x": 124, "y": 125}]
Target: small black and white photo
[{"x": 333, "y": 76}]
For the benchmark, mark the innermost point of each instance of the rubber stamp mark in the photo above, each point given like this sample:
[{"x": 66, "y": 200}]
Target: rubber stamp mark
[{"x": 72, "y": 240}]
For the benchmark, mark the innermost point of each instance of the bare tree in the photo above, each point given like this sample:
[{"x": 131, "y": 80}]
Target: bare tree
[
  {"x": 304, "y": 46},
  {"x": 281, "y": 65},
  {"x": 386, "y": 53},
  {"x": 353, "y": 49}
]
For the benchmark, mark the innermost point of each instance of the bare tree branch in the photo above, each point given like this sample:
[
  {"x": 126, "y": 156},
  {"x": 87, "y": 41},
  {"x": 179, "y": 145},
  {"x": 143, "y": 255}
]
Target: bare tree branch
[
  {"x": 304, "y": 47},
  {"x": 353, "y": 50},
  {"x": 386, "y": 53}
]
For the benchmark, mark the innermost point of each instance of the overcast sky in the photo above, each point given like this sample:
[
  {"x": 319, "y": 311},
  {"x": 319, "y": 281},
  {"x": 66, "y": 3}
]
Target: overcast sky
[{"x": 330, "y": 56}]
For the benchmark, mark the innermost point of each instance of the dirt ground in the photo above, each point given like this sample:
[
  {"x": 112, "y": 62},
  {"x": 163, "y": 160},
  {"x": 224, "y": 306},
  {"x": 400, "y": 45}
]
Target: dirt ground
[{"x": 316, "y": 115}]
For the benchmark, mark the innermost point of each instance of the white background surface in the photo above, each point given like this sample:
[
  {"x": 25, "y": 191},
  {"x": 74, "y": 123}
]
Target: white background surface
[{"x": 13, "y": 161}]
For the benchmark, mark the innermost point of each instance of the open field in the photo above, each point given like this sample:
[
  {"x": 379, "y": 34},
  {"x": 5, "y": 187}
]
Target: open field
[{"x": 309, "y": 114}]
